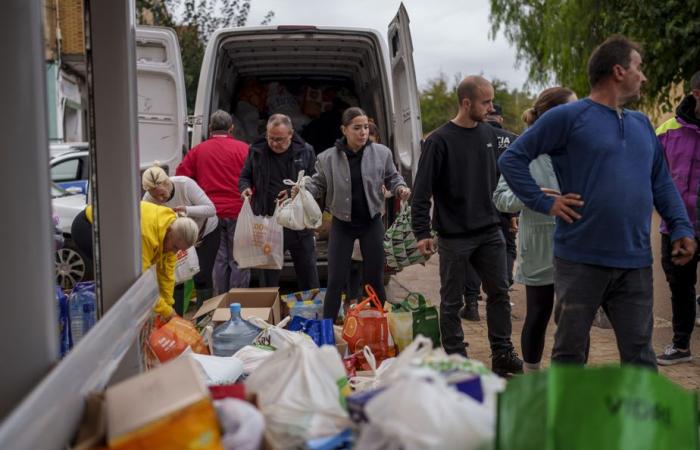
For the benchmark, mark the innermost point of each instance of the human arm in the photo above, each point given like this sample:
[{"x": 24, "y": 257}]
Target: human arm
[
  {"x": 201, "y": 205},
  {"x": 429, "y": 167},
  {"x": 245, "y": 180},
  {"x": 318, "y": 184},
  {"x": 165, "y": 273},
  {"x": 505, "y": 200},
  {"x": 393, "y": 181}
]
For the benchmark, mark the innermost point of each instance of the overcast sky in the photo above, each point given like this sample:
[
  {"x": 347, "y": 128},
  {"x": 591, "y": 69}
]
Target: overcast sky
[{"x": 449, "y": 36}]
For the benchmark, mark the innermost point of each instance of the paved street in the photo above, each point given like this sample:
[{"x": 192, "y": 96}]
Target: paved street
[{"x": 603, "y": 345}]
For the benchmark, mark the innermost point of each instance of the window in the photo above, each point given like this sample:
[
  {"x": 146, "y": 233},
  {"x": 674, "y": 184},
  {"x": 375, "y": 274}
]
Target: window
[{"x": 67, "y": 170}]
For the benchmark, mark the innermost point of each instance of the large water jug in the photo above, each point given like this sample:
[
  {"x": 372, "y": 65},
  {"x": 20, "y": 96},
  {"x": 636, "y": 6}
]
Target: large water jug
[
  {"x": 81, "y": 310},
  {"x": 231, "y": 336}
]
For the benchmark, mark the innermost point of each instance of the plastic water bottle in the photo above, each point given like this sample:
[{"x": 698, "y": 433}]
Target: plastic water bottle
[
  {"x": 81, "y": 310},
  {"x": 231, "y": 336}
]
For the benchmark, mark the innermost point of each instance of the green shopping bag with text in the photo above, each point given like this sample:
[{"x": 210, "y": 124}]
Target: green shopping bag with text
[
  {"x": 615, "y": 408},
  {"x": 414, "y": 316}
]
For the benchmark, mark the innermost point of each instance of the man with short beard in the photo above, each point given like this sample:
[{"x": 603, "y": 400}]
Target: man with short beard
[{"x": 458, "y": 170}]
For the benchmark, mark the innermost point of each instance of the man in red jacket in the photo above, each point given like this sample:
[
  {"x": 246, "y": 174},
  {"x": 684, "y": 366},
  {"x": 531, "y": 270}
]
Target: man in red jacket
[{"x": 216, "y": 165}]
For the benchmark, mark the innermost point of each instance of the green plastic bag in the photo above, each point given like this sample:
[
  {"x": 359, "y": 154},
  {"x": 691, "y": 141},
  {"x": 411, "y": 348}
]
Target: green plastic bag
[
  {"x": 412, "y": 317},
  {"x": 575, "y": 408},
  {"x": 400, "y": 244}
]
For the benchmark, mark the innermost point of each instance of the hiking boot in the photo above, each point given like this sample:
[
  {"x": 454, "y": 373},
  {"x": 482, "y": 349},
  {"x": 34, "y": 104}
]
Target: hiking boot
[
  {"x": 672, "y": 355},
  {"x": 470, "y": 311},
  {"x": 506, "y": 362}
]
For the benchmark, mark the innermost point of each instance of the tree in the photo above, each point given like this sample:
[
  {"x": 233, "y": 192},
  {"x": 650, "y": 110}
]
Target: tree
[
  {"x": 194, "y": 22},
  {"x": 556, "y": 37},
  {"x": 438, "y": 103}
]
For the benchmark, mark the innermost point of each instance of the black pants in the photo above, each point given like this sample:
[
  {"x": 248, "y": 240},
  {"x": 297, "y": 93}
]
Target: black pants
[
  {"x": 540, "y": 301},
  {"x": 206, "y": 253},
  {"x": 302, "y": 248},
  {"x": 486, "y": 252},
  {"x": 627, "y": 295},
  {"x": 340, "y": 244},
  {"x": 472, "y": 286},
  {"x": 681, "y": 280}
]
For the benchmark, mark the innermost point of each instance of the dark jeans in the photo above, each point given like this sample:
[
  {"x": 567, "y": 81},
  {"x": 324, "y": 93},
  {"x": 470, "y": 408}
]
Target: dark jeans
[
  {"x": 302, "y": 248},
  {"x": 540, "y": 301},
  {"x": 340, "y": 244},
  {"x": 226, "y": 274},
  {"x": 627, "y": 296},
  {"x": 206, "y": 253},
  {"x": 681, "y": 280},
  {"x": 486, "y": 253},
  {"x": 472, "y": 287}
]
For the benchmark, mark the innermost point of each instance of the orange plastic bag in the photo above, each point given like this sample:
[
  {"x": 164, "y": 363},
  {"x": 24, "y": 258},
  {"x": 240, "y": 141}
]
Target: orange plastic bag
[
  {"x": 366, "y": 325},
  {"x": 170, "y": 340}
]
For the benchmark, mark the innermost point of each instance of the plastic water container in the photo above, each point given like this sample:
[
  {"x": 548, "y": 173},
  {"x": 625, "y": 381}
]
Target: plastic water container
[
  {"x": 81, "y": 310},
  {"x": 307, "y": 309},
  {"x": 231, "y": 336}
]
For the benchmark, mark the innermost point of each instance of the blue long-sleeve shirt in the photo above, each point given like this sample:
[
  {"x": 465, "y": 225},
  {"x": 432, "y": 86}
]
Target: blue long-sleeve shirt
[{"x": 615, "y": 162}]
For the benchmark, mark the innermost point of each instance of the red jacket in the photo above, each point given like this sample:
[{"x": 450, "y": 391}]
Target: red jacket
[{"x": 215, "y": 165}]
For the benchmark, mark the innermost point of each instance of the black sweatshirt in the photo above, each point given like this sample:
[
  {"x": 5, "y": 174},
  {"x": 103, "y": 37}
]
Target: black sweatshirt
[
  {"x": 359, "y": 213},
  {"x": 457, "y": 168}
]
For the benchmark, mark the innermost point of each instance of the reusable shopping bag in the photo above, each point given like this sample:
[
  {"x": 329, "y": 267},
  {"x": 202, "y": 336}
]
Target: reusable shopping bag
[
  {"x": 168, "y": 341},
  {"x": 400, "y": 244},
  {"x": 412, "y": 317},
  {"x": 366, "y": 325},
  {"x": 187, "y": 265},
  {"x": 258, "y": 240},
  {"x": 621, "y": 408},
  {"x": 320, "y": 330},
  {"x": 302, "y": 211}
]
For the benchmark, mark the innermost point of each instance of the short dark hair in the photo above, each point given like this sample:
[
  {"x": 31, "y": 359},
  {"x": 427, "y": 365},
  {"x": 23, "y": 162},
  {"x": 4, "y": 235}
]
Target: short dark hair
[
  {"x": 469, "y": 87},
  {"x": 695, "y": 80},
  {"x": 350, "y": 113},
  {"x": 616, "y": 50},
  {"x": 220, "y": 120}
]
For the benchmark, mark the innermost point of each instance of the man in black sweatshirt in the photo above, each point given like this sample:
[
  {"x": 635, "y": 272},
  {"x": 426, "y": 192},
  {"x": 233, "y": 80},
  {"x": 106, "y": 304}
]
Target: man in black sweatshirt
[{"x": 458, "y": 170}]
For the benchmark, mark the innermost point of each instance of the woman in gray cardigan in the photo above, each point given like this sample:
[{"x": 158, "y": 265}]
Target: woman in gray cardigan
[
  {"x": 350, "y": 177},
  {"x": 536, "y": 240}
]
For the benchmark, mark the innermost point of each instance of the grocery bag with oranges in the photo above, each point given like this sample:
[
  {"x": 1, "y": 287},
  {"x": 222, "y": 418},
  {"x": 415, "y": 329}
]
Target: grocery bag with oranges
[{"x": 366, "y": 325}]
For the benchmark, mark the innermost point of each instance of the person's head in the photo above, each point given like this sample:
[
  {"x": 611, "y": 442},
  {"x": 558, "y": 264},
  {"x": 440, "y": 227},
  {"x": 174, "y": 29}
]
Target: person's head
[
  {"x": 355, "y": 127},
  {"x": 496, "y": 115},
  {"x": 279, "y": 133},
  {"x": 374, "y": 132},
  {"x": 695, "y": 91},
  {"x": 220, "y": 122},
  {"x": 475, "y": 95},
  {"x": 616, "y": 63},
  {"x": 181, "y": 235},
  {"x": 157, "y": 183},
  {"x": 548, "y": 99}
]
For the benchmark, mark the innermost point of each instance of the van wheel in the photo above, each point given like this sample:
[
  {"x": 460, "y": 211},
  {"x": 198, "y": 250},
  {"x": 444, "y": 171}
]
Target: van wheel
[{"x": 71, "y": 266}]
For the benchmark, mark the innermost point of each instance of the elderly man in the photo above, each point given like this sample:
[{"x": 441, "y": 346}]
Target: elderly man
[{"x": 280, "y": 155}]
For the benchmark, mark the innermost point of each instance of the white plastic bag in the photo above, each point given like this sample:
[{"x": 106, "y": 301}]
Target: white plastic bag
[
  {"x": 302, "y": 211},
  {"x": 243, "y": 425},
  {"x": 258, "y": 240},
  {"x": 276, "y": 336},
  {"x": 299, "y": 393},
  {"x": 420, "y": 413},
  {"x": 252, "y": 356},
  {"x": 187, "y": 265},
  {"x": 218, "y": 369}
]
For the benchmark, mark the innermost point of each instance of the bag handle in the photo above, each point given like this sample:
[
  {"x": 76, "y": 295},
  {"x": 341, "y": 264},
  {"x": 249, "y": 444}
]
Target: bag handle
[
  {"x": 418, "y": 297},
  {"x": 371, "y": 298}
]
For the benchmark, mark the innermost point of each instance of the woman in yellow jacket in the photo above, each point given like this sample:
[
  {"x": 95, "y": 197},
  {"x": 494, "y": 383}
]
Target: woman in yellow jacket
[{"x": 163, "y": 233}]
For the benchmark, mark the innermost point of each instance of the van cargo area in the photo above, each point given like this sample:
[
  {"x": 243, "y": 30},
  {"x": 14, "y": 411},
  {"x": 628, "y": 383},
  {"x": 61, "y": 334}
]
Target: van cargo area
[{"x": 311, "y": 77}]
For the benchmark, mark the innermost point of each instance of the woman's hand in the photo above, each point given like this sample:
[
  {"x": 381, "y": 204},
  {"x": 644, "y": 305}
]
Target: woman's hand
[
  {"x": 180, "y": 209},
  {"x": 295, "y": 191},
  {"x": 403, "y": 192}
]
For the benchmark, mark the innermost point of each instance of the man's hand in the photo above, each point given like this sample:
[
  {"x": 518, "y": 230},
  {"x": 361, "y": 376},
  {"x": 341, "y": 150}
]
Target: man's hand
[
  {"x": 563, "y": 204},
  {"x": 514, "y": 224},
  {"x": 180, "y": 209},
  {"x": 295, "y": 191},
  {"x": 247, "y": 193},
  {"x": 403, "y": 192},
  {"x": 426, "y": 247},
  {"x": 282, "y": 196},
  {"x": 683, "y": 250}
]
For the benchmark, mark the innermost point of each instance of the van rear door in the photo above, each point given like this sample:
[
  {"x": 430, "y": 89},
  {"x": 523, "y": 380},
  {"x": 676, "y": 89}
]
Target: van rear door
[
  {"x": 162, "y": 104},
  {"x": 407, "y": 125}
]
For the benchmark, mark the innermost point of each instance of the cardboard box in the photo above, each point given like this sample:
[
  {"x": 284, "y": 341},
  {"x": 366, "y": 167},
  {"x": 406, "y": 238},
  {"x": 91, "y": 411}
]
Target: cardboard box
[
  {"x": 259, "y": 302},
  {"x": 168, "y": 407}
]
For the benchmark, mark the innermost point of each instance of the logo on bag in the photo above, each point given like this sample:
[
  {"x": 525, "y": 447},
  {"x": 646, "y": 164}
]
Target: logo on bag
[
  {"x": 350, "y": 327},
  {"x": 267, "y": 249},
  {"x": 639, "y": 409}
]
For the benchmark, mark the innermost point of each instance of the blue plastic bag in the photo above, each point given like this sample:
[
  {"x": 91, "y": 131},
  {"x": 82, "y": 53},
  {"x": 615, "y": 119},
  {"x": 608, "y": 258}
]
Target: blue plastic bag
[
  {"x": 321, "y": 331},
  {"x": 65, "y": 339}
]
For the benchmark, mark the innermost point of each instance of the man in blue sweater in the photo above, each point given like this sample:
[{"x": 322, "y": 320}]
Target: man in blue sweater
[{"x": 612, "y": 173}]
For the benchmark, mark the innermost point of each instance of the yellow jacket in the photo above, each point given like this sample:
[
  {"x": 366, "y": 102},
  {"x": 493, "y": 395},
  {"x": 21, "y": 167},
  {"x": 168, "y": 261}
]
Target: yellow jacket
[{"x": 155, "y": 221}]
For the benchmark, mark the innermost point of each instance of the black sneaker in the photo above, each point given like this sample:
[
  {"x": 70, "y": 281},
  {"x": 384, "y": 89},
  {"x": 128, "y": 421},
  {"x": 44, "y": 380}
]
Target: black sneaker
[
  {"x": 672, "y": 355},
  {"x": 470, "y": 311},
  {"x": 506, "y": 362}
]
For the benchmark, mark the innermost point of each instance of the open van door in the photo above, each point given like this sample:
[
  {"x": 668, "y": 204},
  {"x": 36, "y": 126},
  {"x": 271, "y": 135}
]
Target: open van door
[
  {"x": 407, "y": 125},
  {"x": 162, "y": 104}
]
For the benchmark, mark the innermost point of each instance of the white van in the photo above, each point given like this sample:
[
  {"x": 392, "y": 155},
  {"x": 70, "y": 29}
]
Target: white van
[{"x": 312, "y": 73}]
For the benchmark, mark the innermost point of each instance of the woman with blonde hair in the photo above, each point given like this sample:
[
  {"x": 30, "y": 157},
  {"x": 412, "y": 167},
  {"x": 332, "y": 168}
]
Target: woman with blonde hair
[
  {"x": 536, "y": 243},
  {"x": 184, "y": 196}
]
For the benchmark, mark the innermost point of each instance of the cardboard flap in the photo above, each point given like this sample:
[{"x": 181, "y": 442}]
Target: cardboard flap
[
  {"x": 209, "y": 305},
  {"x": 250, "y": 298},
  {"x": 224, "y": 314}
]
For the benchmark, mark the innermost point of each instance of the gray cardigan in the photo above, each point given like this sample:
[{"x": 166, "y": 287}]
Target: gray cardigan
[{"x": 332, "y": 178}]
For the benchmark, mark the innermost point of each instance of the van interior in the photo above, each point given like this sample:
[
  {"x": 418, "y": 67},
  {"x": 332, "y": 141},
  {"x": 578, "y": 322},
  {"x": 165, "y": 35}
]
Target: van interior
[{"x": 311, "y": 77}]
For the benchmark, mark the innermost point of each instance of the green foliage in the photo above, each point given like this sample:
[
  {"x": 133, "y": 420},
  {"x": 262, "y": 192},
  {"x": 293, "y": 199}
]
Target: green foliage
[
  {"x": 438, "y": 103},
  {"x": 554, "y": 38},
  {"x": 194, "y": 22}
]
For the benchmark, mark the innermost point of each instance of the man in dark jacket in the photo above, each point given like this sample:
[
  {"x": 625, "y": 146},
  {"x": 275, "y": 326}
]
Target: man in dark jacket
[{"x": 278, "y": 156}]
